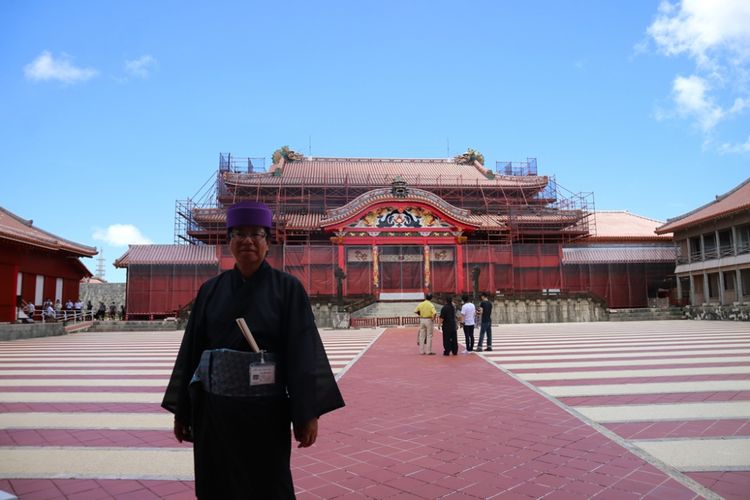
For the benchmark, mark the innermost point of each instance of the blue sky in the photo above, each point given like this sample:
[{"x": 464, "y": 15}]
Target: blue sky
[{"x": 111, "y": 111}]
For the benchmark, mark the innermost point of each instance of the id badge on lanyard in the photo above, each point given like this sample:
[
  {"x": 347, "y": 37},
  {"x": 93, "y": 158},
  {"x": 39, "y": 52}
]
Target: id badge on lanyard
[{"x": 263, "y": 372}]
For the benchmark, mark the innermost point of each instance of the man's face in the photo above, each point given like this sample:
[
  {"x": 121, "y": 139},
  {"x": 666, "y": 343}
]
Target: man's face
[{"x": 248, "y": 244}]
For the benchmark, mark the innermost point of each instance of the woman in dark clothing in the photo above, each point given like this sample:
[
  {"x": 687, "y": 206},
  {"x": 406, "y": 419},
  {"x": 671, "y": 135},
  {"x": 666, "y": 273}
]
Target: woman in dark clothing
[{"x": 448, "y": 324}]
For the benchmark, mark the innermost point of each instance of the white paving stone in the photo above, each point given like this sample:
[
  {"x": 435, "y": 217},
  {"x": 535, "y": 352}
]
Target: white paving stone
[
  {"x": 81, "y": 397},
  {"x": 85, "y": 382},
  {"x": 700, "y": 454},
  {"x": 646, "y": 388},
  {"x": 667, "y": 411},
  {"x": 97, "y": 463},
  {"x": 86, "y": 420},
  {"x": 651, "y": 372},
  {"x": 628, "y": 362}
]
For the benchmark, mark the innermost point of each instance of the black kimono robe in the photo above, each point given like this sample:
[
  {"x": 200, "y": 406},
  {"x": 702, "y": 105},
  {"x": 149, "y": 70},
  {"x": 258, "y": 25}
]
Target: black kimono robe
[
  {"x": 242, "y": 446},
  {"x": 450, "y": 336}
]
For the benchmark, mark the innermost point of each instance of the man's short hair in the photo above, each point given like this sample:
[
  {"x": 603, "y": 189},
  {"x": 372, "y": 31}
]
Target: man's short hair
[{"x": 428, "y": 296}]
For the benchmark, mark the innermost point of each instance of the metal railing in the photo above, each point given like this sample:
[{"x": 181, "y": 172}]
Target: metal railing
[
  {"x": 384, "y": 321},
  {"x": 63, "y": 315},
  {"x": 715, "y": 253}
]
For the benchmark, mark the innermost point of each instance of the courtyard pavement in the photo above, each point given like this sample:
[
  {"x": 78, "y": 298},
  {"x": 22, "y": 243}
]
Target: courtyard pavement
[{"x": 577, "y": 410}]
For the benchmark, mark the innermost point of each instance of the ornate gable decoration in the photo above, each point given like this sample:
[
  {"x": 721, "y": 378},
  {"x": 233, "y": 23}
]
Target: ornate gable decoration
[
  {"x": 400, "y": 218},
  {"x": 398, "y": 187}
]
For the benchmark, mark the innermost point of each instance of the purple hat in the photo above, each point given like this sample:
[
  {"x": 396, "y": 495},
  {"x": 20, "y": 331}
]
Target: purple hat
[{"x": 249, "y": 213}]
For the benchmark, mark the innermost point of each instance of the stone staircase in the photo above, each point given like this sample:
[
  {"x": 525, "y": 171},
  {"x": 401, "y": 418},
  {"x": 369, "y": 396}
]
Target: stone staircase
[
  {"x": 135, "y": 326},
  {"x": 646, "y": 314},
  {"x": 389, "y": 309}
]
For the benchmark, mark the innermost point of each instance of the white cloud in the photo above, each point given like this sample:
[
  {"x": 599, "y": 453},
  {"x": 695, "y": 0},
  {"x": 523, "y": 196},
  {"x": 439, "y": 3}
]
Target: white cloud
[
  {"x": 739, "y": 148},
  {"x": 691, "y": 100},
  {"x": 140, "y": 67},
  {"x": 715, "y": 35},
  {"x": 46, "y": 67},
  {"x": 704, "y": 28},
  {"x": 120, "y": 235}
]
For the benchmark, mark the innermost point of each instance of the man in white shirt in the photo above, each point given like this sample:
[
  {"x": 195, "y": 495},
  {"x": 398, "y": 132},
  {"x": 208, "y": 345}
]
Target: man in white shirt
[{"x": 468, "y": 312}]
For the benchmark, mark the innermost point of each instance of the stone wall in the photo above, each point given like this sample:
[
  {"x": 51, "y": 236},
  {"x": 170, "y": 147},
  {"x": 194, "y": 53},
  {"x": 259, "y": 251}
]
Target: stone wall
[
  {"x": 734, "y": 312},
  {"x": 105, "y": 292},
  {"x": 547, "y": 311},
  {"x": 136, "y": 326},
  {"x": 31, "y": 330}
]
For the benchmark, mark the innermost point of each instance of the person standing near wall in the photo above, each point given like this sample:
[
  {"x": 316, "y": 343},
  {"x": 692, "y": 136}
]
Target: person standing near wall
[
  {"x": 448, "y": 325},
  {"x": 468, "y": 313},
  {"x": 427, "y": 314},
  {"x": 485, "y": 322}
]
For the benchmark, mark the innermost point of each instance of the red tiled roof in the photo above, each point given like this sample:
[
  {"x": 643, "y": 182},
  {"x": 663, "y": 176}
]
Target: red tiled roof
[
  {"x": 303, "y": 221},
  {"x": 618, "y": 254},
  {"x": 168, "y": 254},
  {"x": 736, "y": 200},
  {"x": 16, "y": 229},
  {"x": 621, "y": 225},
  {"x": 382, "y": 171}
]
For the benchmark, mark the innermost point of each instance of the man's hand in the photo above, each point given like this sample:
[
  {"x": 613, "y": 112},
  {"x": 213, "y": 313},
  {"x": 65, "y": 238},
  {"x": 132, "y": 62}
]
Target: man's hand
[
  {"x": 307, "y": 433},
  {"x": 183, "y": 432}
]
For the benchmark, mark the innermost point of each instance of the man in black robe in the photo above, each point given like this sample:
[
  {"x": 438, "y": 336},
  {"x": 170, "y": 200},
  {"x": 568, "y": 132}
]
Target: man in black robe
[
  {"x": 448, "y": 324},
  {"x": 242, "y": 445}
]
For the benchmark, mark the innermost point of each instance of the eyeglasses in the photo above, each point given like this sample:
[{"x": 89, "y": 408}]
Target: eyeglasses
[{"x": 253, "y": 235}]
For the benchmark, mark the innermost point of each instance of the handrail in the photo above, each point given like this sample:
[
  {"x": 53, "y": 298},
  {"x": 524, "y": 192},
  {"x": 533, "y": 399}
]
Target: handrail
[{"x": 63, "y": 315}]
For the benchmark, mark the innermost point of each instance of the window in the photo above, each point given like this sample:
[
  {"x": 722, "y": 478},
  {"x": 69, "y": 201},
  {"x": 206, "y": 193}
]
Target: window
[
  {"x": 695, "y": 249},
  {"x": 726, "y": 245},
  {"x": 709, "y": 246},
  {"x": 745, "y": 279},
  {"x": 743, "y": 238},
  {"x": 713, "y": 285},
  {"x": 729, "y": 280}
]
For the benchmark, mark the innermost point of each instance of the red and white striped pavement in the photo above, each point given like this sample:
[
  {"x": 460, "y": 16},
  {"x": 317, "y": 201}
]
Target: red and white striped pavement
[
  {"x": 585, "y": 410},
  {"x": 676, "y": 391},
  {"x": 80, "y": 414}
]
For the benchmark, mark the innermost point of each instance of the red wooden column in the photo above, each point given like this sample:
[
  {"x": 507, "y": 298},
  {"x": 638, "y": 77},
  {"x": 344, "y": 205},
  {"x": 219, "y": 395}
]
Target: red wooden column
[
  {"x": 426, "y": 277},
  {"x": 341, "y": 257},
  {"x": 375, "y": 273},
  {"x": 460, "y": 279}
]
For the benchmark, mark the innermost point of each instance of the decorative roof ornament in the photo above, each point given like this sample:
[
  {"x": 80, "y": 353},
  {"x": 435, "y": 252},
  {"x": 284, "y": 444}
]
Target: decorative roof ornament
[
  {"x": 287, "y": 154},
  {"x": 469, "y": 157},
  {"x": 398, "y": 187}
]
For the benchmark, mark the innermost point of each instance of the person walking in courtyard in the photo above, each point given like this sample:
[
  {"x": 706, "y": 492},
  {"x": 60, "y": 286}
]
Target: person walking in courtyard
[
  {"x": 448, "y": 325},
  {"x": 485, "y": 322},
  {"x": 427, "y": 314},
  {"x": 237, "y": 405},
  {"x": 468, "y": 313}
]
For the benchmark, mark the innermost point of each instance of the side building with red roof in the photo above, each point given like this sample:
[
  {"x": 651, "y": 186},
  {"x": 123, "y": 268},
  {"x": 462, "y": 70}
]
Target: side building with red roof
[
  {"x": 623, "y": 261},
  {"x": 395, "y": 228},
  {"x": 36, "y": 265},
  {"x": 713, "y": 255}
]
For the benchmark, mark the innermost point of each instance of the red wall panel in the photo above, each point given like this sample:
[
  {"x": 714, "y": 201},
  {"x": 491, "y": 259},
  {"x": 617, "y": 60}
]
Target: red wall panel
[{"x": 8, "y": 277}]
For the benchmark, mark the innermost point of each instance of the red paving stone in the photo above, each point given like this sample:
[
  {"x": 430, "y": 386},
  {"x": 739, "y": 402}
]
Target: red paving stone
[
  {"x": 681, "y": 429},
  {"x": 420, "y": 427},
  {"x": 77, "y": 407},
  {"x": 727, "y": 484},
  {"x": 89, "y": 437},
  {"x": 463, "y": 428}
]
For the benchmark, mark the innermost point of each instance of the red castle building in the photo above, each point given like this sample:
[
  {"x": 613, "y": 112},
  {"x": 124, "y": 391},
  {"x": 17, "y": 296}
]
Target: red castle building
[
  {"x": 36, "y": 265},
  {"x": 397, "y": 228}
]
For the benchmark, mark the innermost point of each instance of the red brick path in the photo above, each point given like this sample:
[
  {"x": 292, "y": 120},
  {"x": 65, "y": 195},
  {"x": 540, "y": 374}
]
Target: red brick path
[{"x": 457, "y": 427}]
